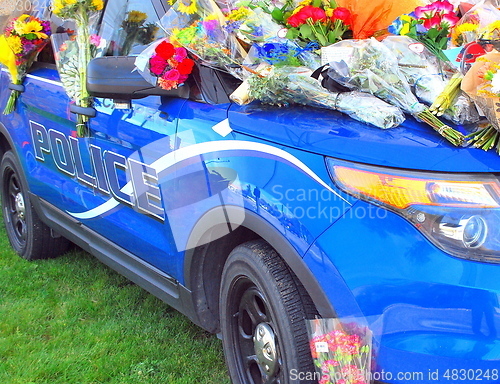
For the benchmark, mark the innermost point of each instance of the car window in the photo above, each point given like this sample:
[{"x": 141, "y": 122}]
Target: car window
[{"x": 129, "y": 29}]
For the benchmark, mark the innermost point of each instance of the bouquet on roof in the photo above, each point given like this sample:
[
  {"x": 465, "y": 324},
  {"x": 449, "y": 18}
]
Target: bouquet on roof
[
  {"x": 77, "y": 53},
  {"x": 25, "y": 36},
  {"x": 342, "y": 352}
]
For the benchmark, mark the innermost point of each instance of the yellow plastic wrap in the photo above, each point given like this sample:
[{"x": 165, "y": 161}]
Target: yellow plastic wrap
[{"x": 370, "y": 17}]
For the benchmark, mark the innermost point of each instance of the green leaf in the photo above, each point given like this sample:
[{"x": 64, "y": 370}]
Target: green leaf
[
  {"x": 332, "y": 37},
  {"x": 433, "y": 33},
  {"x": 292, "y": 33},
  {"x": 305, "y": 31},
  {"x": 277, "y": 14},
  {"x": 322, "y": 40}
]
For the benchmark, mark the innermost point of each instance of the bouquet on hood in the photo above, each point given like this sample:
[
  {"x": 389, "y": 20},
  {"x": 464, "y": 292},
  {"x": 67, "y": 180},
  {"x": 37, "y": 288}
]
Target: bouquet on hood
[
  {"x": 73, "y": 69},
  {"x": 369, "y": 66},
  {"x": 482, "y": 84},
  {"x": 25, "y": 36},
  {"x": 294, "y": 85}
]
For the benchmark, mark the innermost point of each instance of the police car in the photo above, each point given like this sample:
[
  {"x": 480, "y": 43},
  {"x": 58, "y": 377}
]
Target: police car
[{"x": 252, "y": 220}]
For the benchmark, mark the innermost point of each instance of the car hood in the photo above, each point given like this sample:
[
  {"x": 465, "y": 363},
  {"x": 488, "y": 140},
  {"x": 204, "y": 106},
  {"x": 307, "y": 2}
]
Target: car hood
[{"x": 412, "y": 145}]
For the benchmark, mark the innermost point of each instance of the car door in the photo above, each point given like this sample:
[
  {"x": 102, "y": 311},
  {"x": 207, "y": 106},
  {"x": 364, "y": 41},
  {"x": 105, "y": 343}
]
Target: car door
[{"x": 106, "y": 180}]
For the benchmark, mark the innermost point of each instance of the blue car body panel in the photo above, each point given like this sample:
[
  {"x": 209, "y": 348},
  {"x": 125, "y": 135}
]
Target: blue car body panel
[{"x": 429, "y": 310}]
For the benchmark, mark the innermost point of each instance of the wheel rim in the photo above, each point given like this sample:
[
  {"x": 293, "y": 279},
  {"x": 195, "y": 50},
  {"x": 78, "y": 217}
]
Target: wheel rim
[
  {"x": 254, "y": 335},
  {"x": 15, "y": 209}
]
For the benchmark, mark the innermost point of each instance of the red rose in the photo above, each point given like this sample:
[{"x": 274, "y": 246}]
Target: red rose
[
  {"x": 315, "y": 13},
  {"x": 185, "y": 67},
  {"x": 343, "y": 14},
  {"x": 296, "y": 20},
  {"x": 165, "y": 50}
]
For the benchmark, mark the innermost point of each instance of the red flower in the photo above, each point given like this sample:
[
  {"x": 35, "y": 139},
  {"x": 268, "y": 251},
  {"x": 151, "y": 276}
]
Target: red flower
[
  {"x": 433, "y": 22},
  {"x": 296, "y": 20},
  {"x": 343, "y": 14},
  {"x": 315, "y": 13},
  {"x": 185, "y": 66},
  {"x": 165, "y": 50},
  {"x": 307, "y": 12}
]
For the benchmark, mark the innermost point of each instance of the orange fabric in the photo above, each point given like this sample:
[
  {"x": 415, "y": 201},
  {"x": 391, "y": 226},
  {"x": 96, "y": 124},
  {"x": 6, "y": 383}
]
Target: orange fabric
[{"x": 370, "y": 16}]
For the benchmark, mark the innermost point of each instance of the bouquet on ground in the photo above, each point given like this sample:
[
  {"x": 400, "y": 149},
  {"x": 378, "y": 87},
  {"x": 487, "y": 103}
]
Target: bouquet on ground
[
  {"x": 165, "y": 65},
  {"x": 73, "y": 64},
  {"x": 24, "y": 38},
  {"x": 369, "y": 66},
  {"x": 482, "y": 84},
  {"x": 341, "y": 351},
  {"x": 294, "y": 85}
]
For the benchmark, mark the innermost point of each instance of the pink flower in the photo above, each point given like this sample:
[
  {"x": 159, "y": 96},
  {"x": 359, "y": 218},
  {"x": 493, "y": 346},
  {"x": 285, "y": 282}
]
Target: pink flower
[
  {"x": 449, "y": 20},
  {"x": 172, "y": 75},
  {"x": 157, "y": 65},
  {"x": 95, "y": 40},
  {"x": 180, "y": 54}
]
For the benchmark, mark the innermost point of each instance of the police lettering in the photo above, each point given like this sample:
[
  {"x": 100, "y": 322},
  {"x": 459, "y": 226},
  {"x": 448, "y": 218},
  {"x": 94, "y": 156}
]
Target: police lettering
[{"x": 142, "y": 192}]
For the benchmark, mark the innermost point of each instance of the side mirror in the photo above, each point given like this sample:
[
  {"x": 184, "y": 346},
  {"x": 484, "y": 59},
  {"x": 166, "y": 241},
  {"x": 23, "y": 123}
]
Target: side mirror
[{"x": 115, "y": 77}]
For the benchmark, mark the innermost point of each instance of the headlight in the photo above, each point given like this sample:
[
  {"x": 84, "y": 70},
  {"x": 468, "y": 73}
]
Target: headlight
[{"x": 459, "y": 213}]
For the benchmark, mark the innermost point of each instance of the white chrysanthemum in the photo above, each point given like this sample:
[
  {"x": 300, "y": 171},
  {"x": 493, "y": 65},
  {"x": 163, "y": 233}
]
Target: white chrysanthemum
[{"x": 495, "y": 83}]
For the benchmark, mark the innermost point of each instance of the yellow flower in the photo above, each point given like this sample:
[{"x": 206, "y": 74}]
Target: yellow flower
[
  {"x": 329, "y": 12},
  {"x": 187, "y": 9},
  {"x": 15, "y": 43},
  {"x": 8, "y": 58},
  {"x": 136, "y": 17},
  {"x": 491, "y": 31},
  {"x": 98, "y": 4},
  {"x": 171, "y": 2},
  {"x": 29, "y": 27},
  {"x": 57, "y": 6}
]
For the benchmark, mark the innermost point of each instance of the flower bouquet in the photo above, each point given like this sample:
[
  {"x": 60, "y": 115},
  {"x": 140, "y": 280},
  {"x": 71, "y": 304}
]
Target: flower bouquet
[
  {"x": 322, "y": 22},
  {"x": 341, "y": 352},
  {"x": 287, "y": 85},
  {"x": 371, "y": 67},
  {"x": 482, "y": 84},
  {"x": 73, "y": 62},
  {"x": 164, "y": 65},
  {"x": 433, "y": 81},
  {"x": 25, "y": 36},
  {"x": 429, "y": 24},
  {"x": 199, "y": 27},
  {"x": 135, "y": 29}
]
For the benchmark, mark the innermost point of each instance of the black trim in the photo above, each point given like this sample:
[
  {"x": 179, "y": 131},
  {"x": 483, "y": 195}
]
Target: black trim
[
  {"x": 125, "y": 263},
  {"x": 85, "y": 111},
  {"x": 17, "y": 87},
  {"x": 256, "y": 224}
]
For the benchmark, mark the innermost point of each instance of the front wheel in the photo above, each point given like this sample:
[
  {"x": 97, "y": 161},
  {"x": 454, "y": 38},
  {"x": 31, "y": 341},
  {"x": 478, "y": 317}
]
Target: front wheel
[
  {"x": 263, "y": 308},
  {"x": 28, "y": 235}
]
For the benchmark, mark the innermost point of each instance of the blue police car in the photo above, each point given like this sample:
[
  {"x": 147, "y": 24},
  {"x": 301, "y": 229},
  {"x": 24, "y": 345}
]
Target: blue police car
[{"x": 251, "y": 220}]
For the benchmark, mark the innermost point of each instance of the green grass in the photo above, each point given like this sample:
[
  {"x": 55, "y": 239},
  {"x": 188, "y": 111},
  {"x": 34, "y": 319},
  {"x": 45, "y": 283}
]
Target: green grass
[{"x": 74, "y": 320}]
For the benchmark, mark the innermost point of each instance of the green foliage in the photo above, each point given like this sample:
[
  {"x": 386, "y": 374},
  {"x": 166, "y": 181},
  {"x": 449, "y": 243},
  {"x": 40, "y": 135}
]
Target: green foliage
[{"x": 72, "y": 320}]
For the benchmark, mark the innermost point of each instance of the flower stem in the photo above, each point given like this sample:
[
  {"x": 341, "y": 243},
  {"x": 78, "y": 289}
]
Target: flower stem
[{"x": 453, "y": 136}]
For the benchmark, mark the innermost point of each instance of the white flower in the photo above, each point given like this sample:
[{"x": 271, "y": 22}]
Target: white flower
[{"x": 495, "y": 83}]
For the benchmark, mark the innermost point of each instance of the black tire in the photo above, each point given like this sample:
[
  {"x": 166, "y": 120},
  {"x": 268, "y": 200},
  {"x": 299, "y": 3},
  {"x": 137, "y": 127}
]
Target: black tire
[
  {"x": 261, "y": 298},
  {"x": 30, "y": 238}
]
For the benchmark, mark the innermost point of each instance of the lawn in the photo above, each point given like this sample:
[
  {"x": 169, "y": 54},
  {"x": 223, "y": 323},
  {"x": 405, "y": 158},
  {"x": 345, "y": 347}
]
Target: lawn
[{"x": 74, "y": 320}]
